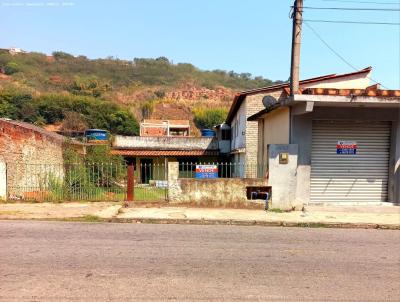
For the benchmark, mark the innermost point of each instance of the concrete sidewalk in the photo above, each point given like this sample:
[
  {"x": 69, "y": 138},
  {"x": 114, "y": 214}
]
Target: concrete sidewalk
[{"x": 332, "y": 216}]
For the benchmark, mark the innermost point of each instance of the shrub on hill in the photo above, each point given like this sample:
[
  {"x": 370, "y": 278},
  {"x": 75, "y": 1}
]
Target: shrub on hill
[
  {"x": 208, "y": 118},
  {"x": 53, "y": 108}
]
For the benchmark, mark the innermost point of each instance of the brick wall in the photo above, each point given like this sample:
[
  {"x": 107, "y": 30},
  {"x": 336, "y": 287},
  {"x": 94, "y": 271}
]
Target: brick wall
[
  {"x": 29, "y": 154},
  {"x": 253, "y": 105}
]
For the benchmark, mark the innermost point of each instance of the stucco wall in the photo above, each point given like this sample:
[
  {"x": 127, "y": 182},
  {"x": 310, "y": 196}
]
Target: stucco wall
[
  {"x": 283, "y": 177},
  {"x": 357, "y": 81},
  {"x": 222, "y": 192},
  {"x": 275, "y": 130},
  {"x": 165, "y": 143}
]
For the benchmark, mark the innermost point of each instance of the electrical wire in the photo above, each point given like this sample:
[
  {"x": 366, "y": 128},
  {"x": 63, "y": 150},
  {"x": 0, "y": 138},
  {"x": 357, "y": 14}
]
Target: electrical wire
[
  {"x": 352, "y": 22},
  {"x": 335, "y": 52},
  {"x": 353, "y": 8},
  {"x": 362, "y": 2}
]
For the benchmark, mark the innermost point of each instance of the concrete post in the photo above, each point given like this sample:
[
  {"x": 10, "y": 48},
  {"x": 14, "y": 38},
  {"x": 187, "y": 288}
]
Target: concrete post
[
  {"x": 3, "y": 180},
  {"x": 174, "y": 188},
  {"x": 282, "y": 176}
]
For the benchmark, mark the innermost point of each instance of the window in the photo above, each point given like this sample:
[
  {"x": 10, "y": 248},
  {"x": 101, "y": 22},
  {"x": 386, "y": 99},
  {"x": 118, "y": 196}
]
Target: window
[{"x": 225, "y": 134}]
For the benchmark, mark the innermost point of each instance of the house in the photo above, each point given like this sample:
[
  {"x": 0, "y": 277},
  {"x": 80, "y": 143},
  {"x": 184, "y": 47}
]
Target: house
[
  {"x": 336, "y": 141},
  {"x": 29, "y": 152},
  {"x": 164, "y": 128},
  {"x": 245, "y": 135},
  {"x": 223, "y": 134},
  {"x": 161, "y": 142},
  {"x": 15, "y": 50}
]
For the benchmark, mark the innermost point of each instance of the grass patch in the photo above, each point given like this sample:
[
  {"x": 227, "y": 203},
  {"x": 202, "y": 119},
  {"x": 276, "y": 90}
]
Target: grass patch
[
  {"x": 277, "y": 211},
  {"x": 10, "y": 212},
  {"x": 92, "y": 218},
  {"x": 312, "y": 225}
]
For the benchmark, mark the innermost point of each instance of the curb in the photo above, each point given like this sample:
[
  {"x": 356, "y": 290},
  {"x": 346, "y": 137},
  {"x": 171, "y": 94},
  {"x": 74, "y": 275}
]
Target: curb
[
  {"x": 257, "y": 223},
  {"x": 96, "y": 219}
]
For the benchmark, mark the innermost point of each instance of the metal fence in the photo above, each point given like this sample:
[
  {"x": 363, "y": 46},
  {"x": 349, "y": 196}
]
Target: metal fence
[
  {"x": 224, "y": 169},
  {"x": 151, "y": 182},
  {"x": 78, "y": 181}
]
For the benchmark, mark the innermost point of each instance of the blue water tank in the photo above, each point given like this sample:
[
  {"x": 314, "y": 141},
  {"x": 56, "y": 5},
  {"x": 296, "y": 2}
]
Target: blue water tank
[
  {"x": 96, "y": 135},
  {"x": 207, "y": 133}
]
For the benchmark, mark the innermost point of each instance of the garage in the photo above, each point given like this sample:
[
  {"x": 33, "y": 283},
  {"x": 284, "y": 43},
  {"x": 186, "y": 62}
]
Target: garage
[{"x": 350, "y": 161}]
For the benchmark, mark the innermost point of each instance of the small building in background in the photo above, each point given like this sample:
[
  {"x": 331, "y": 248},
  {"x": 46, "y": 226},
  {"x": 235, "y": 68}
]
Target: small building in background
[
  {"x": 150, "y": 127},
  {"x": 163, "y": 141},
  {"x": 223, "y": 135}
]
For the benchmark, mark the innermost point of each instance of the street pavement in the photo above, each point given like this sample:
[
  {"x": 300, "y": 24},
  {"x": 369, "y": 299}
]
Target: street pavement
[{"x": 69, "y": 261}]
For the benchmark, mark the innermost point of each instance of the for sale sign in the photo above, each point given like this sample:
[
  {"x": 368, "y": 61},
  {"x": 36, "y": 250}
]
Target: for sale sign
[
  {"x": 206, "y": 171},
  {"x": 346, "y": 147}
]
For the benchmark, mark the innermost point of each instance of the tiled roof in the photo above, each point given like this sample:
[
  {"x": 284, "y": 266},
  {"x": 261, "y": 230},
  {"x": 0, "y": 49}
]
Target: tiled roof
[
  {"x": 370, "y": 91},
  {"x": 164, "y": 152}
]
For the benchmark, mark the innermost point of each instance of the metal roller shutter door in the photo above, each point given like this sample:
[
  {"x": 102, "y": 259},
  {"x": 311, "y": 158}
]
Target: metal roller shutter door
[{"x": 362, "y": 177}]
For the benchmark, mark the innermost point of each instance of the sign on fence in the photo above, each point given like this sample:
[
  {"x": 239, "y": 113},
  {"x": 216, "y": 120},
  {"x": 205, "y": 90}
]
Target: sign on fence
[
  {"x": 346, "y": 147},
  {"x": 206, "y": 171}
]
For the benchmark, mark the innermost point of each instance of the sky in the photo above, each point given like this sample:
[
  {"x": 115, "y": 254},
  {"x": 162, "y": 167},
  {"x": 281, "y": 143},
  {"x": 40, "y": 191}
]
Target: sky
[{"x": 242, "y": 35}]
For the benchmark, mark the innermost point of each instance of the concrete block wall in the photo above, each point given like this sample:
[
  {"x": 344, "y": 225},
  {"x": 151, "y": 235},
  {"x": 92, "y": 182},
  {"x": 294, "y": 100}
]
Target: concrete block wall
[{"x": 254, "y": 104}]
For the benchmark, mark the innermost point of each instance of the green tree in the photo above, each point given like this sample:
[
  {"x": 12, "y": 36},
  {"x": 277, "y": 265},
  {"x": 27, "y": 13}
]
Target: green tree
[
  {"x": 11, "y": 67},
  {"x": 208, "y": 118}
]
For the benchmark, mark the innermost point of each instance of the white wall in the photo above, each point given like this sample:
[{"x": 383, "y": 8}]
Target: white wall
[
  {"x": 358, "y": 81},
  {"x": 275, "y": 130},
  {"x": 238, "y": 127}
]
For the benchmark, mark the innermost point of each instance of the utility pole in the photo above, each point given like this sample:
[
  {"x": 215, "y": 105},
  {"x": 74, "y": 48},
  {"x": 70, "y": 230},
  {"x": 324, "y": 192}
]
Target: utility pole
[{"x": 296, "y": 42}]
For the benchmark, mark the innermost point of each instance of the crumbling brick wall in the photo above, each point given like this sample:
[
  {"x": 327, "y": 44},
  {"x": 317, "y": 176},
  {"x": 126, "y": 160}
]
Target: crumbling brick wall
[{"x": 30, "y": 156}]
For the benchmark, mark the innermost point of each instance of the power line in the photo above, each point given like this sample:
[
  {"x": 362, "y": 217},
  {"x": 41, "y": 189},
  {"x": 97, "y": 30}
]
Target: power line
[
  {"x": 354, "y": 8},
  {"x": 335, "y": 52},
  {"x": 362, "y": 2},
  {"x": 352, "y": 22}
]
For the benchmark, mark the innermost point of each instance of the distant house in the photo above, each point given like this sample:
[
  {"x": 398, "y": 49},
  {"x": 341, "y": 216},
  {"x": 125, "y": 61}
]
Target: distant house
[
  {"x": 245, "y": 133},
  {"x": 163, "y": 141},
  {"x": 150, "y": 127},
  {"x": 15, "y": 50}
]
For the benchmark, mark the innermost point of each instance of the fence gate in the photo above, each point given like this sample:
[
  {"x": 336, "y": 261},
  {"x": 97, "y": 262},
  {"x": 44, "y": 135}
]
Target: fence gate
[{"x": 150, "y": 181}]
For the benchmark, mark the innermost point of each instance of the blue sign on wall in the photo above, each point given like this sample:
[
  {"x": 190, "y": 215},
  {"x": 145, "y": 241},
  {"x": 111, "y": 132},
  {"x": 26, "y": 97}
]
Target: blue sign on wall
[
  {"x": 346, "y": 147},
  {"x": 206, "y": 171}
]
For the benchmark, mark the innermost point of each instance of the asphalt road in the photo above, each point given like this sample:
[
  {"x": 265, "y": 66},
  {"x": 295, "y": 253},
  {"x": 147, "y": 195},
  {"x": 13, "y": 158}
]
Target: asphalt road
[{"x": 57, "y": 261}]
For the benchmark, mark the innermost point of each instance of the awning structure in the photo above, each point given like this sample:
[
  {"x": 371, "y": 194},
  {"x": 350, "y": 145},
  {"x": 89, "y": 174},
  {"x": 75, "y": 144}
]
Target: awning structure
[{"x": 150, "y": 153}]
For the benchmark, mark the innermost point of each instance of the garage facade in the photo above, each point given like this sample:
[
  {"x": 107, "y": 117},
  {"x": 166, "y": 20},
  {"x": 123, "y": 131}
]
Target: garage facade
[
  {"x": 348, "y": 143},
  {"x": 350, "y": 161}
]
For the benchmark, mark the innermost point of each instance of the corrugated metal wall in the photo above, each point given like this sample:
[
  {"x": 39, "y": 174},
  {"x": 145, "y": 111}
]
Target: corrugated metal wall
[{"x": 361, "y": 177}]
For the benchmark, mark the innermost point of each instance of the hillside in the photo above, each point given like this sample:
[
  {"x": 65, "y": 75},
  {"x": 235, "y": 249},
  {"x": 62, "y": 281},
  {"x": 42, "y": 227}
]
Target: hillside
[{"x": 77, "y": 92}]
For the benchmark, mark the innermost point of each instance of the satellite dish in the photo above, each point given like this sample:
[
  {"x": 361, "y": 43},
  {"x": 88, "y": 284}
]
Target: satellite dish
[{"x": 268, "y": 101}]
